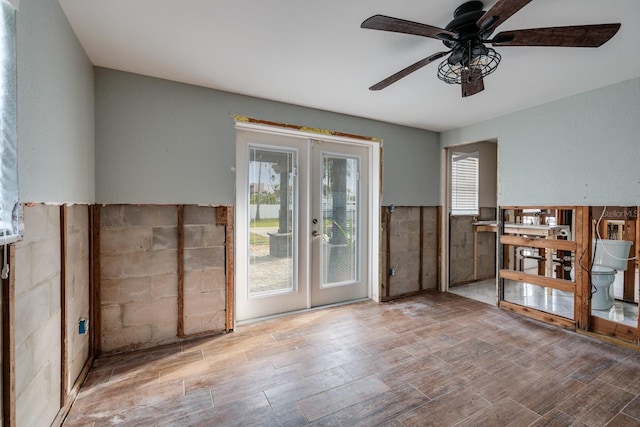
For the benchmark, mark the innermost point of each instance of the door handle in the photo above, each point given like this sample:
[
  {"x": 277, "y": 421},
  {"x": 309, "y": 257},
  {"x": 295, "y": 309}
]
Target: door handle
[{"x": 315, "y": 233}]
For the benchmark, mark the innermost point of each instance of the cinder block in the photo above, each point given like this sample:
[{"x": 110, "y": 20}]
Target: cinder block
[
  {"x": 126, "y": 239},
  {"x": 111, "y": 266},
  {"x": 40, "y": 393},
  {"x": 111, "y": 216},
  {"x": 205, "y": 302},
  {"x": 125, "y": 338},
  {"x": 149, "y": 263},
  {"x": 194, "y": 214},
  {"x": 150, "y": 312},
  {"x": 116, "y": 291},
  {"x": 22, "y": 269},
  {"x": 24, "y": 364},
  {"x": 399, "y": 244},
  {"x": 46, "y": 342},
  {"x": 33, "y": 308},
  {"x": 164, "y": 331},
  {"x": 164, "y": 285},
  {"x": 41, "y": 222},
  {"x": 165, "y": 238},
  {"x": 193, "y": 236},
  {"x": 45, "y": 259},
  {"x": 193, "y": 324},
  {"x": 214, "y": 235},
  {"x": 195, "y": 259},
  {"x": 111, "y": 317},
  {"x": 150, "y": 215},
  {"x": 214, "y": 279},
  {"x": 215, "y": 321},
  {"x": 197, "y": 281}
]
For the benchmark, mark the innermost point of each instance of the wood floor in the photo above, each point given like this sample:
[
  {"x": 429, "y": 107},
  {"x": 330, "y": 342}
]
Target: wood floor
[{"x": 437, "y": 359}]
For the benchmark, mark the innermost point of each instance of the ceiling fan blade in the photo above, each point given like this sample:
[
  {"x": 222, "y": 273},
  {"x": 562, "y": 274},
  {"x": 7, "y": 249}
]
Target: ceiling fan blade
[
  {"x": 573, "y": 36},
  {"x": 387, "y": 23},
  {"x": 472, "y": 82},
  {"x": 405, "y": 72},
  {"x": 500, "y": 12}
]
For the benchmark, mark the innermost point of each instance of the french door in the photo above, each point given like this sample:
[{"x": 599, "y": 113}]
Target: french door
[{"x": 302, "y": 225}]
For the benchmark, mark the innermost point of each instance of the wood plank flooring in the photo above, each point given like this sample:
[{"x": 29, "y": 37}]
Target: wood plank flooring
[{"x": 435, "y": 359}]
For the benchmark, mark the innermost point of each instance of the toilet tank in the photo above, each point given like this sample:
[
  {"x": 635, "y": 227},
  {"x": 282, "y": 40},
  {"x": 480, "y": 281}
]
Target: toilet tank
[{"x": 611, "y": 253}]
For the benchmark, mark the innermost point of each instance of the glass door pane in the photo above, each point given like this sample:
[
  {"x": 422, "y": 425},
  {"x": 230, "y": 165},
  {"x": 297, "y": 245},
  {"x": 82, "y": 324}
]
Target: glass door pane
[
  {"x": 272, "y": 232},
  {"x": 340, "y": 220},
  {"x": 272, "y": 237},
  {"x": 339, "y": 226}
]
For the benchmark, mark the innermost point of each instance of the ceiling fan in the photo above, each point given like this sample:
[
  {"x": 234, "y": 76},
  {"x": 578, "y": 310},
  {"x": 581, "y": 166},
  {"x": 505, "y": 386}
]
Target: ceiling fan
[{"x": 468, "y": 59}]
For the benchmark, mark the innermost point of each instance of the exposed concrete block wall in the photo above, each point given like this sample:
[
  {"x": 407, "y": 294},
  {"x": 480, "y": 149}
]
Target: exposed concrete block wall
[
  {"x": 486, "y": 267},
  {"x": 404, "y": 251},
  {"x": 76, "y": 288},
  {"x": 138, "y": 276},
  {"x": 430, "y": 240},
  {"x": 461, "y": 251},
  {"x": 38, "y": 317},
  {"x": 204, "y": 271}
]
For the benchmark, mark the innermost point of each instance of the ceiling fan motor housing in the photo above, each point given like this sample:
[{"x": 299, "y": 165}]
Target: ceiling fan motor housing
[{"x": 464, "y": 25}]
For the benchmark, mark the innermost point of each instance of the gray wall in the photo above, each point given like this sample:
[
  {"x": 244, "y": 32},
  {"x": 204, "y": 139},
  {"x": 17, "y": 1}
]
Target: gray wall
[
  {"x": 164, "y": 142},
  {"x": 55, "y": 108},
  {"x": 579, "y": 150}
]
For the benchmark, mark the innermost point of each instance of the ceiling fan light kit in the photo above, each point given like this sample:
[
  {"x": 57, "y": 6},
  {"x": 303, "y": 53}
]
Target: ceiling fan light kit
[{"x": 468, "y": 59}]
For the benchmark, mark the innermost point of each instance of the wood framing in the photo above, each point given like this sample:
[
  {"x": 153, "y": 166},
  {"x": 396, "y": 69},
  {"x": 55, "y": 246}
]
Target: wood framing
[
  {"x": 614, "y": 329},
  {"x": 229, "y": 265},
  {"x": 386, "y": 221},
  {"x": 538, "y": 315},
  {"x": 630, "y": 273},
  {"x": 545, "y": 282},
  {"x": 546, "y": 243},
  {"x": 564, "y": 245},
  {"x": 180, "y": 213},
  {"x": 9, "y": 343},
  {"x": 439, "y": 223},
  {"x": 421, "y": 250},
  {"x": 95, "y": 322},
  {"x": 64, "y": 357},
  {"x": 582, "y": 267}
]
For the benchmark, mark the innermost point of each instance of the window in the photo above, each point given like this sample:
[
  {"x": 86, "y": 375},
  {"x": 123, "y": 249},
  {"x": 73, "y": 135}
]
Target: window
[
  {"x": 464, "y": 183},
  {"x": 10, "y": 209}
]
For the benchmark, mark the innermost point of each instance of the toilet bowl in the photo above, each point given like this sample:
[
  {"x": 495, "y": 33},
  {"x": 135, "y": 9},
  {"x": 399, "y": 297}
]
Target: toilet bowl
[
  {"x": 609, "y": 257},
  {"x": 602, "y": 278}
]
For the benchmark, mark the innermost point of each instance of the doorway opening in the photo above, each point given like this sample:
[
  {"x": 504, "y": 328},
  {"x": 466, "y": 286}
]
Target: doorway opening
[{"x": 471, "y": 220}]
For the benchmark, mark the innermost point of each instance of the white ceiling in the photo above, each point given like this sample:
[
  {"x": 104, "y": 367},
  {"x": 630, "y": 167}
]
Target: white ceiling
[{"x": 314, "y": 53}]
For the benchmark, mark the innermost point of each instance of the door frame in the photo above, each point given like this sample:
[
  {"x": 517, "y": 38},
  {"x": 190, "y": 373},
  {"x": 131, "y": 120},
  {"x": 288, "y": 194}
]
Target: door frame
[
  {"x": 374, "y": 146},
  {"x": 445, "y": 197}
]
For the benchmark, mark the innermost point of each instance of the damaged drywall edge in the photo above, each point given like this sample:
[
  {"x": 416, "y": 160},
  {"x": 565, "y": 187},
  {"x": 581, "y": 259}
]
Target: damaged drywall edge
[{"x": 307, "y": 129}]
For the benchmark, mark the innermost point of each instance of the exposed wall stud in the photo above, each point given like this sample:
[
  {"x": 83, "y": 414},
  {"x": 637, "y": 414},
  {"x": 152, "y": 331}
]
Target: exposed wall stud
[
  {"x": 95, "y": 317},
  {"x": 229, "y": 265},
  {"x": 64, "y": 357},
  {"x": 180, "y": 270},
  {"x": 9, "y": 344}
]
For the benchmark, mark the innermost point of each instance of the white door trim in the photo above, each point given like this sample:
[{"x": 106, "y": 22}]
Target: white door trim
[{"x": 374, "y": 150}]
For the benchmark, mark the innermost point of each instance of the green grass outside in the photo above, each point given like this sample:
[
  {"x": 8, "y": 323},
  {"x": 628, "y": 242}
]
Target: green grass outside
[
  {"x": 257, "y": 239},
  {"x": 267, "y": 222}
]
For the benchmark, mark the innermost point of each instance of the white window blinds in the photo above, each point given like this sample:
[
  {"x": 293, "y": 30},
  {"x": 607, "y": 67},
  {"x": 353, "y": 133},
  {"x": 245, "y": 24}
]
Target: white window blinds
[
  {"x": 10, "y": 209},
  {"x": 464, "y": 183}
]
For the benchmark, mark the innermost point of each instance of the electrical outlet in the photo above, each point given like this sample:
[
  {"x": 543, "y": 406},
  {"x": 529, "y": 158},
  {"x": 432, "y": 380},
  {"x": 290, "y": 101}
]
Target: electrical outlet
[{"x": 83, "y": 326}]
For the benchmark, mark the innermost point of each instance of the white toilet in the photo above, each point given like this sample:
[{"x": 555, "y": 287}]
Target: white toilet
[{"x": 609, "y": 257}]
